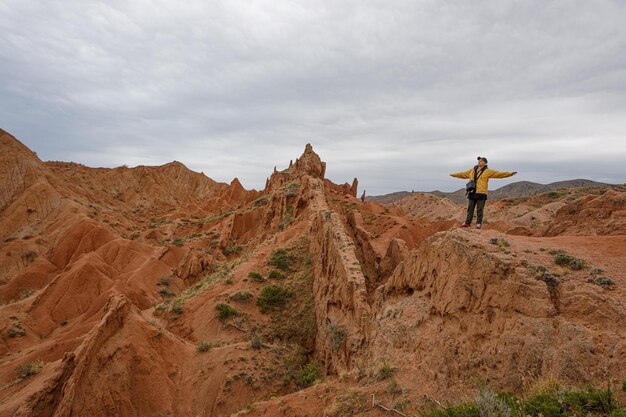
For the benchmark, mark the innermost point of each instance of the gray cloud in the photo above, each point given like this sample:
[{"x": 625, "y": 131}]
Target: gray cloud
[{"x": 397, "y": 94}]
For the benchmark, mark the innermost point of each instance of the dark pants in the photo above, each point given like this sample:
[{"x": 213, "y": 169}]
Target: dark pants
[{"x": 471, "y": 203}]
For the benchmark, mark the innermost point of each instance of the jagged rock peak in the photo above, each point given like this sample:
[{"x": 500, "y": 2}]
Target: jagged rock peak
[
  {"x": 354, "y": 187},
  {"x": 310, "y": 163},
  {"x": 236, "y": 183}
]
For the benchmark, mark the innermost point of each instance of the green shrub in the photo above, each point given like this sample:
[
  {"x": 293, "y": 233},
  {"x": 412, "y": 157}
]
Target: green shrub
[
  {"x": 384, "y": 371},
  {"x": 561, "y": 403},
  {"x": 551, "y": 281},
  {"x": 544, "y": 404},
  {"x": 16, "y": 331},
  {"x": 241, "y": 296},
  {"x": 225, "y": 312},
  {"x": 166, "y": 293},
  {"x": 231, "y": 250},
  {"x": 602, "y": 281},
  {"x": 204, "y": 346},
  {"x": 256, "y": 276},
  {"x": 178, "y": 241},
  {"x": 281, "y": 259},
  {"x": 261, "y": 201},
  {"x": 619, "y": 413},
  {"x": 29, "y": 369},
  {"x": 588, "y": 401},
  {"x": 563, "y": 259},
  {"x": 567, "y": 260},
  {"x": 177, "y": 308},
  {"x": 552, "y": 401},
  {"x": 273, "y": 297},
  {"x": 577, "y": 264},
  {"x": 309, "y": 375},
  {"x": 165, "y": 281},
  {"x": 491, "y": 406},
  {"x": 275, "y": 274}
]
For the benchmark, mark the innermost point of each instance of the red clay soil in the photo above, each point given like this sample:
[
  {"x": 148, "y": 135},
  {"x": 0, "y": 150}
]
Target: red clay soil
[{"x": 156, "y": 291}]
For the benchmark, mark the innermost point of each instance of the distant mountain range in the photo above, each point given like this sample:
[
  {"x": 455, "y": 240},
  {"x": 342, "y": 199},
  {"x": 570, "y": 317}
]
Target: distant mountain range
[{"x": 516, "y": 189}]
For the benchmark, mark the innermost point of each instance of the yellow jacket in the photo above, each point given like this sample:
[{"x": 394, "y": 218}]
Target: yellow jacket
[{"x": 482, "y": 186}]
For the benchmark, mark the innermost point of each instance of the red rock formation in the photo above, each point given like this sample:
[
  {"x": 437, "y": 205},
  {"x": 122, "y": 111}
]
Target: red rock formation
[
  {"x": 112, "y": 277},
  {"x": 354, "y": 187},
  {"x": 460, "y": 307},
  {"x": 592, "y": 215}
]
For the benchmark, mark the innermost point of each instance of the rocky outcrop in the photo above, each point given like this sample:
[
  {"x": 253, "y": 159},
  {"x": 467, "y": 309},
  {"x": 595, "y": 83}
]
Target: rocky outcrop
[
  {"x": 29, "y": 192},
  {"x": 194, "y": 264},
  {"x": 340, "y": 293},
  {"x": 19, "y": 168},
  {"x": 339, "y": 286},
  {"x": 591, "y": 215},
  {"x": 458, "y": 307},
  {"x": 43, "y": 402},
  {"x": 368, "y": 258},
  {"x": 354, "y": 188},
  {"x": 86, "y": 356},
  {"x": 396, "y": 253},
  {"x": 310, "y": 163},
  {"x": 59, "y": 391}
]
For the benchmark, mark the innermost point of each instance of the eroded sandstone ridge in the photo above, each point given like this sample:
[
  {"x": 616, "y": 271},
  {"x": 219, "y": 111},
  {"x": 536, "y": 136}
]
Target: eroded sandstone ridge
[{"x": 154, "y": 291}]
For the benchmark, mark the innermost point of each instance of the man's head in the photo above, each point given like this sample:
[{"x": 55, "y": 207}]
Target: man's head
[{"x": 482, "y": 161}]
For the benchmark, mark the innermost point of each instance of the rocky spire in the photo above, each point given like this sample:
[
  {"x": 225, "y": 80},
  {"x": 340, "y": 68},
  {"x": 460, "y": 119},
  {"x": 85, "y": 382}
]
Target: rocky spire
[
  {"x": 354, "y": 187},
  {"x": 235, "y": 183},
  {"x": 310, "y": 163}
]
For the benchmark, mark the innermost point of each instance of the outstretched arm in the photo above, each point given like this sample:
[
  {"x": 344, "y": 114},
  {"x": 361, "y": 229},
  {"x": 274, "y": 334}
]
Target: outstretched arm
[
  {"x": 502, "y": 174},
  {"x": 465, "y": 174}
]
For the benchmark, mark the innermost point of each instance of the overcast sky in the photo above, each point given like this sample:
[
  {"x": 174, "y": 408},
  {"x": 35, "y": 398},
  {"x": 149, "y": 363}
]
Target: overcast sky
[{"x": 396, "y": 93}]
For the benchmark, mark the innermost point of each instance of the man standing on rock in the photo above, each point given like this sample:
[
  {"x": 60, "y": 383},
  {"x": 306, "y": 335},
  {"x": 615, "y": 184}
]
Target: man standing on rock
[{"x": 478, "y": 187}]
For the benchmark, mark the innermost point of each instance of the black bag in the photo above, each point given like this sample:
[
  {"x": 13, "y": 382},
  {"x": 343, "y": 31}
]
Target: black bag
[{"x": 470, "y": 187}]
